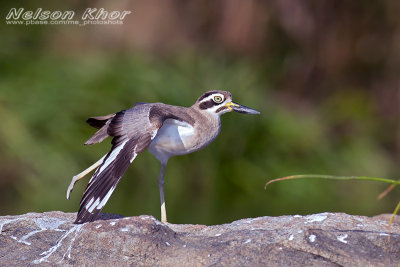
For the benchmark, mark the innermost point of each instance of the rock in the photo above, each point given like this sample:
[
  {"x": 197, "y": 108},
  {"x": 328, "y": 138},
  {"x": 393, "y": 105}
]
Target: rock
[{"x": 326, "y": 239}]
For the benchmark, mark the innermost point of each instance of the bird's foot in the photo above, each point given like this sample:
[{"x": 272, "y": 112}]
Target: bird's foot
[{"x": 71, "y": 185}]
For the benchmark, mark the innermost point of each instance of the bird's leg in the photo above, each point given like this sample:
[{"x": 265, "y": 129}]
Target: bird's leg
[
  {"x": 83, "y": 174},
  {"x": 161, "y": 189}
]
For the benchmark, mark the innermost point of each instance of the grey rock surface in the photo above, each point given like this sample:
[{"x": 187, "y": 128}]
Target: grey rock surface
[{"x": 326, "y": 239}]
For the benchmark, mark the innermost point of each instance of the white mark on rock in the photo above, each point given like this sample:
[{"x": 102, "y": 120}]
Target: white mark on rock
[
  {"x": 112, "y": 223},
  {"x": 125, "y": 229},
  {"x": 312, "y": 238},
  {"x": 49, "y": 223},
  {"x": 217, "y": 234},
  {"x": 315, "y": 218},
  {"x": 247, "y": 241},
  {"x": 43, "y": 224},
  {"x": 4, "y": 222},
  {"x": 71, "y": 243},
  {"x": 98, "y": 226},
  {"x": 300, "y": 231},
  {"x": 297, "y": 216},
  {"x": 251, "y": 220},
  {"x": 184, "y": 246},
  {"x": 280, "y": 248},
  {"x": 50, "y": 251},
  {"x": 209, "y": 255},
  {"x": 383, "y": 234},
  {"x": 26, "y": 242},
  {"x": 291, "y": 237},
  {"x": 168, "y": 244},
  {"x": 342, "y": 238}
]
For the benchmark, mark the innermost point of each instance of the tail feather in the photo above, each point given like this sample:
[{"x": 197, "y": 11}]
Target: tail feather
[
  {"x": 99, "y": 136},
  {"x": 99, "y": 122},
  {"x": 102, "y": 124}
]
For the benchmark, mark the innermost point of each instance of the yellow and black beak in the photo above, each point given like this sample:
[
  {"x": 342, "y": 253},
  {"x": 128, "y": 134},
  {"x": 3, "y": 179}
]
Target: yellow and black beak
[{"x": 241, "y": 109}]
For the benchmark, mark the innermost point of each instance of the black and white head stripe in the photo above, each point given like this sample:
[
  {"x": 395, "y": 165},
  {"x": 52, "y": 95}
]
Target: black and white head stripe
[
  {"x": 214, "y": 101},
  {"x": 207, "y": 94}
]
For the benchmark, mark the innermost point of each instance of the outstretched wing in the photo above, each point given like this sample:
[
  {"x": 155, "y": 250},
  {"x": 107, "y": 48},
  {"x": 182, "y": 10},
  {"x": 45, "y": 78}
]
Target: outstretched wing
[
  {"x": 126, "y": 145},
  {"x": 107, "y": 176},
  {"x": 133, "y": 131}
]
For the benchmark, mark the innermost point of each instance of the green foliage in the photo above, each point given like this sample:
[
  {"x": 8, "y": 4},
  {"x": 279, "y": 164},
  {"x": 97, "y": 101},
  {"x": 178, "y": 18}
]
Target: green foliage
[{"x": 45, "y": 99}]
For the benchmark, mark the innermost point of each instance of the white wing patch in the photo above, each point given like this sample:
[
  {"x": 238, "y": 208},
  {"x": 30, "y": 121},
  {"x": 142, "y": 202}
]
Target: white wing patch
[
  {"x": 94, "y": 205},
  {"x": 99, "y": 204},
  {"x": 105, "y": 199},
  {"x": 153, "y": 134},
  {"x": 134, "y": 154},
  {"x": 112, "y": 156},
  {"x": 89, "y": 203}
]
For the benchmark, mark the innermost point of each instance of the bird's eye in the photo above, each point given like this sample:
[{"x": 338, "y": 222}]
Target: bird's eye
[{"x": 217, "y": 99}]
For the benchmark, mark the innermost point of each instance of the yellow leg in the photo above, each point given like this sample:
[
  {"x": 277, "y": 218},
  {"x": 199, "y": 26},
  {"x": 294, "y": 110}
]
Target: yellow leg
[
  {"x": 83, "y": 174},
  {"x": 161, "y": 189}
]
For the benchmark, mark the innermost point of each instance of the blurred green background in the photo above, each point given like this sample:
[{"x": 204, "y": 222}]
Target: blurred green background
[{"x": 324, "y": 74}]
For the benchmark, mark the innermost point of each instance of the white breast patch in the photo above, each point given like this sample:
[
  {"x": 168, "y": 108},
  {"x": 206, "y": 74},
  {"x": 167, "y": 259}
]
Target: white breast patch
[
  {"x": 173, "y": 138},
  {"x": 184, "y": 129}
]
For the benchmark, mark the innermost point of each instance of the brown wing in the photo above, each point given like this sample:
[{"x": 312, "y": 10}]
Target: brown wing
[
  {"x": 133, "y": 132},
  {"x": 107, "y": 176},
  {"x": 125, "y": 148}
]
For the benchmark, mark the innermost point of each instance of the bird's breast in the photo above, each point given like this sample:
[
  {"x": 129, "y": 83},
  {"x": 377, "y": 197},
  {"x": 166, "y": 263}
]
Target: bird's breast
[{"x": 178, "y": 138}]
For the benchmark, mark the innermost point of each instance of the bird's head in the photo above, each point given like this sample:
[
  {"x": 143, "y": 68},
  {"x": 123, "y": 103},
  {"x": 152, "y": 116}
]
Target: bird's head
[{"x": 219, "y": 102}]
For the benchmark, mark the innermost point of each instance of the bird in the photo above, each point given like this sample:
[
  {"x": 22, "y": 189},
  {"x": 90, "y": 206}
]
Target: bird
[{"x": 165, "y": 130}]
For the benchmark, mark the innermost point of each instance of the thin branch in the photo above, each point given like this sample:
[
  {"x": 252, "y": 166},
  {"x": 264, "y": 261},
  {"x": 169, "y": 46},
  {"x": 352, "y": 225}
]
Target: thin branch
[{"x": 317, "y": 176}]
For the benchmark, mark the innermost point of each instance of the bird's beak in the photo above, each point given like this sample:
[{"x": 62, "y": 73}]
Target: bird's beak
[{"x": 241, "y": 109}]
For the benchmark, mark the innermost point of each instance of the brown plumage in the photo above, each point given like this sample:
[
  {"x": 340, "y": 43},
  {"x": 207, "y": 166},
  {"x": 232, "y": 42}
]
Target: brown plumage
[{"x": 166, "y": 130}]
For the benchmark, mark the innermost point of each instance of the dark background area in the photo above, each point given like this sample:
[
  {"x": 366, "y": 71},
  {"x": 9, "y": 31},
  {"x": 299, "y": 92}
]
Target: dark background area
[{"x": 324, "y": 74}]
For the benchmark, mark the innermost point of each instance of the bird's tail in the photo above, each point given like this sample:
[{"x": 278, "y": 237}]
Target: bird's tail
[{"x": 102, "y": 124}]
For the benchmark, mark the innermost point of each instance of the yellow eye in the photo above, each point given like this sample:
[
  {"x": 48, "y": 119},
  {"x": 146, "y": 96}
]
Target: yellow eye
[{"x": 217, "y": 99}]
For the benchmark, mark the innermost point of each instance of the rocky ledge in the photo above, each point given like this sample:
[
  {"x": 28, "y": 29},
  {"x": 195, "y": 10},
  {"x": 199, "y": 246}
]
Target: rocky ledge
[{"x": 326, "y": 239}]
